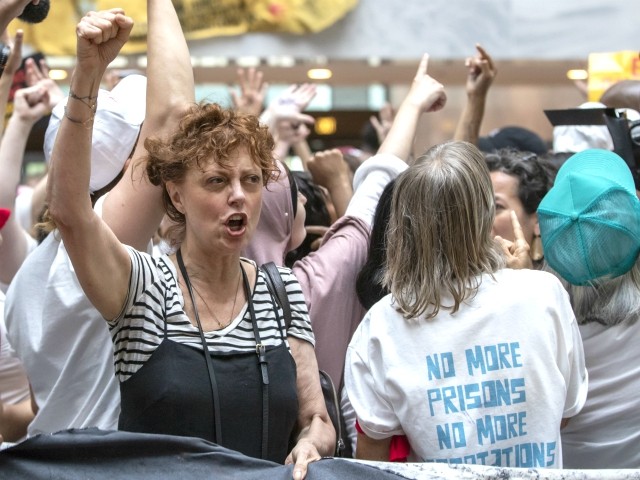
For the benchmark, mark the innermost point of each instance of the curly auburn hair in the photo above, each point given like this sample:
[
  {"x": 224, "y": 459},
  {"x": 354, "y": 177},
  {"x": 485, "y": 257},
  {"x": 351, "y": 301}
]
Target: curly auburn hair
[{"x": 207, "y": 133}]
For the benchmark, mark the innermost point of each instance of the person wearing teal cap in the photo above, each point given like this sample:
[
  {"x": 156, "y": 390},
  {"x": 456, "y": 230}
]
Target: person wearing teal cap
[
  {"x": 589, "y": 219},
  {"x": 590, "y": 227}
]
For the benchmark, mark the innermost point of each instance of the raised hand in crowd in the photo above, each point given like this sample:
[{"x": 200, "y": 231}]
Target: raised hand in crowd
[
  {"x": 98, "y": 45},
  {"x": 331, "y": 171},
  {"x": 517, "y": 252},
  {"x": 289, "y": 107},
  {"x": 15, "y": 56},
  {"x": 133, "y": 209},
  {"x": 30, "y": 104},
  {"x": 425, "y": 95},
  {"x": 10, "y": 68},
  {"x": 481, "y": 71},
  {"x": 38, "y": 74},
  {"x": 285, "y": 120},
  {"x": 253, "y": 90},
  {"x": 298, "y": 96},
  {"x": 383, "y": 124}
]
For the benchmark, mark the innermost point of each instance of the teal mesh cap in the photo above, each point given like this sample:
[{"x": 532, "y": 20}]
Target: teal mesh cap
[{"x": 590, "y": 219}]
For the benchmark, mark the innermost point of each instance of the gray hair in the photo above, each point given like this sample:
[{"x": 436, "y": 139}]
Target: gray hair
[{"x": 608, "y": 301}]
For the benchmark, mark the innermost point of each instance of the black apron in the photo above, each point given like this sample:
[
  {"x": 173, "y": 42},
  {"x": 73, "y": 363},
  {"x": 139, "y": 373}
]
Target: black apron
[{"x": 171, "y": 394}]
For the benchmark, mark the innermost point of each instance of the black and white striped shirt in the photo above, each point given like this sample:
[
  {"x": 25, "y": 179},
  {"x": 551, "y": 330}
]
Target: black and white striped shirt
[{"x": 155, "y": 297}]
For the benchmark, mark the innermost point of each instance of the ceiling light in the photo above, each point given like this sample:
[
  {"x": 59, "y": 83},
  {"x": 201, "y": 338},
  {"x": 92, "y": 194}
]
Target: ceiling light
[
  {"x": 325, "y": 125},
  {"x": 57, "y": 75},
  {"x": 248, "y": 61},
  {"x": 285, "y": 61},
  {"x": 577, "y": 75},
  {"x": 319, "y": 74},
  {"x": 213, "y": 61}
]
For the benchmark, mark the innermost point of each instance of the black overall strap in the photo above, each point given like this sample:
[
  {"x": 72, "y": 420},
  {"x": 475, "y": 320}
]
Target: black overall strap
[
  {"x": 212, "y": 376},
  {"x": 277, "y": 288},
  {"x": 262, "y": 361}
]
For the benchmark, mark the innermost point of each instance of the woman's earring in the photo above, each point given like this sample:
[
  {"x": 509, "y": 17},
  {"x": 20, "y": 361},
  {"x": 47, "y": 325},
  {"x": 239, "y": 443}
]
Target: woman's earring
[{"x": 536, "y": 249}]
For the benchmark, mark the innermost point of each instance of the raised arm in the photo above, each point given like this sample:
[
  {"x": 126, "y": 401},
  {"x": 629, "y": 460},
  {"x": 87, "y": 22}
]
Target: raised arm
[
  {"x": 100, "y": 261},
  {"x": 30, "y": 104},
  {"x": 253, "y": 90},
  {"x": 11, "y": 67},
  {"x": 383, "y": 124},
  {"x": 330, "y": 170},
  {"x": 481, "y": 72},
  {"x": 425, "y": 95},
  {"x": 37, "y": 74},
  {"x": 133, "y": 209}
]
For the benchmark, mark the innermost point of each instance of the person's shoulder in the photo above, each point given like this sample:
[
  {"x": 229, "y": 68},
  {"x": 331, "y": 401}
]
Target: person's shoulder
[
  {"x": 526, "y": 273},
  {"x": 149, "y": 261},
  {"x": 384, "y": 312},
  {"x": 534, "y": 281}
]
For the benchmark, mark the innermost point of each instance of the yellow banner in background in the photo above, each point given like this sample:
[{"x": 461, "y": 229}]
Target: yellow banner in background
[
  {"x": 605, "y": 69},
  {"x": 56, "y": 35},
  {"x": 199, "y": 18}
]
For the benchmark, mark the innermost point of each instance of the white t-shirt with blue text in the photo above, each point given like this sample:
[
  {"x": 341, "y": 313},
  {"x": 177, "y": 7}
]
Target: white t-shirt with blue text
[{"x": 487, "y": 385}]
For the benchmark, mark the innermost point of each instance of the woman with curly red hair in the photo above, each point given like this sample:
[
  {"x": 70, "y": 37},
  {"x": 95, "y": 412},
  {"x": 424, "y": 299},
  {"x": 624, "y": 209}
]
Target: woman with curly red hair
[{"x": 200, "y": 348}]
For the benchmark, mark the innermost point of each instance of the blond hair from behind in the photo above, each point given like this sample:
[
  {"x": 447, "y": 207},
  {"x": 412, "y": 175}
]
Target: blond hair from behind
[{"x": 439, "y": 234}]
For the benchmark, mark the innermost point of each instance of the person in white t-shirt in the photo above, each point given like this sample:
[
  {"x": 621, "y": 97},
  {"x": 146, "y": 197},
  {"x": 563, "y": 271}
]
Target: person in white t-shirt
[
  {"x": 461, "y": 357},
  {"x": 590, "y": 226},
  {"x": 15, "y": 399}
]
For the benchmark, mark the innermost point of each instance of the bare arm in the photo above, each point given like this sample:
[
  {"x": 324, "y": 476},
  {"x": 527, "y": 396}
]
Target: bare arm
[
  {"x": 14, "y": 420},
  {"x": 13, "y": 63},
  {"x": 301, "y": 146},
  {"x": 133, "y": 208},
  {"x": 101, "y": 262},
  {"x": 482, "y": 71},
  {"x": 317, "y": 436},
  {"x": 30, "y": 104},
  {"x": 426, "y": 95},
  {"x": 370, "y": 449}
]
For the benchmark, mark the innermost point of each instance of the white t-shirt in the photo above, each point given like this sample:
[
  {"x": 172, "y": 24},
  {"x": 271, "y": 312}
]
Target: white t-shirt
[
  {"x": 14, "y": 386},
  {"x": 63, "y": 342},
  {"x": 606, "y": 433},
  {"x": 488, "y": 385}
]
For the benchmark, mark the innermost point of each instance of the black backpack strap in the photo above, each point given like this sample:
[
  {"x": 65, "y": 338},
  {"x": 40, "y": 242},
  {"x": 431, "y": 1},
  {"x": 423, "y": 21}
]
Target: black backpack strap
[{"x": 277, "y": 288}]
